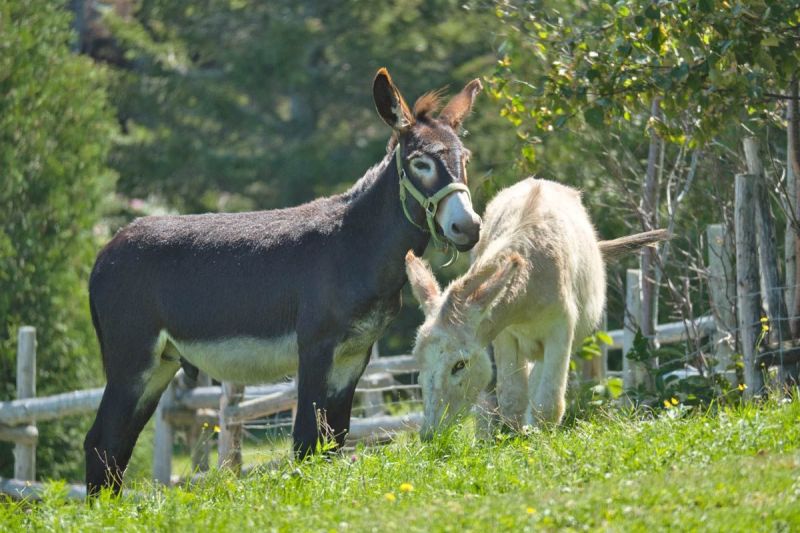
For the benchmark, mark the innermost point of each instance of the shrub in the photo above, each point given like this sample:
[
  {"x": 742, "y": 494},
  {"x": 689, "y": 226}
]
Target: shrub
[{"x": 55, "y": 133}]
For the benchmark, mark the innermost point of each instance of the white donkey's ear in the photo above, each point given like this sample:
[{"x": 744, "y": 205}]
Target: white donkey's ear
[
  {"x": 507, "y": 278},
  {"x": 390, "y": 103},
  {"x": 475, "y": 293},
  {"x": 423, "y": 282}
]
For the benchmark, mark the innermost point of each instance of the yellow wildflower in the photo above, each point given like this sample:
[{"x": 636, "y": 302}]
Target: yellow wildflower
[
  {"x": 674, "y": 401},
  {"x": 742, "y": 386},
  {"x": 390, "y": 497},
  {"x": 216, "y": 428},
  {"x": 205, "y": 425},
  {"x": 406, "y": 487},
  {"x": 530, "y": 510},
  {"x": 764, "y": 324},
  {"x": 667, "y": 404}
]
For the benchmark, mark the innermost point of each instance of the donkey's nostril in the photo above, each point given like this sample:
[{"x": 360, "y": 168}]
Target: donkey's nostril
[{"x": 455, "y": 229}]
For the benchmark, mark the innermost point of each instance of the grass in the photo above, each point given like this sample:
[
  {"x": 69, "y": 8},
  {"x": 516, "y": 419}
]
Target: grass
[{"x": 734, "y": 470}]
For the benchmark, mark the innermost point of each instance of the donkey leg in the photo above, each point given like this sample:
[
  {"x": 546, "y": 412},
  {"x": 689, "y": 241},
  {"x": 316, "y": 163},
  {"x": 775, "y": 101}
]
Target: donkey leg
[
  {"x": 312, "y": 373},
  {"x": 512, "y": 377},
  {"x": 126, "y": 407},
  {"x": 548, "y": 385},
  {"x": 341, "y": 387}
]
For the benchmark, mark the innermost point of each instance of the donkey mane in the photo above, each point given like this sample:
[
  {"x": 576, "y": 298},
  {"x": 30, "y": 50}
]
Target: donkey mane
[
  {"x": 363, "y": 184},
  {"x": 428, "y": 104},
  {"x": 424, "y": 108}
]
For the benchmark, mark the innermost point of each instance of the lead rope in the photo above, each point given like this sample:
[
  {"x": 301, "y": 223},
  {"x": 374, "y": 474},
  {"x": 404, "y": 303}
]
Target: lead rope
[{"x": 429, "y": 205}]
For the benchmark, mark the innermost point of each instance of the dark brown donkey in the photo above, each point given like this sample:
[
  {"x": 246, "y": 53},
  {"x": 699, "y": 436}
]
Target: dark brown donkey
[{"x": 251, "y": 297}]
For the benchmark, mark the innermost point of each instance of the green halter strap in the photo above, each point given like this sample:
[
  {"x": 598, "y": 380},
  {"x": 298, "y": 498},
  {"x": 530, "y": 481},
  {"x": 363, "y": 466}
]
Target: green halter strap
[{"x": 429, "y": 204}]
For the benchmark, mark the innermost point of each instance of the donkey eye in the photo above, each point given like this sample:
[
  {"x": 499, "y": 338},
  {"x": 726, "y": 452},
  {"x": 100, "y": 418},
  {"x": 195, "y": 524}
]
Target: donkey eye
[
  {"x": 458, "y": 367},
  {"x": 422, "y": 166}
]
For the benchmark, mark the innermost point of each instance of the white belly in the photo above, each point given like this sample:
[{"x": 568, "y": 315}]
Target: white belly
[{"x": 245, "y": 360}]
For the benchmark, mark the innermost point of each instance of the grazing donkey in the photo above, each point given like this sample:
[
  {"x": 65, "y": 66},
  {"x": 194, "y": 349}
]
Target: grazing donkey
[
  {"x": 252, "y": 297},
  {"x": 537, "y": 284}
]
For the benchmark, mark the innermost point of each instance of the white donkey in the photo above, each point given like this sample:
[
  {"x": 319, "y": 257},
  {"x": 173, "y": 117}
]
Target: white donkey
[{"x": 536, "y": 285}]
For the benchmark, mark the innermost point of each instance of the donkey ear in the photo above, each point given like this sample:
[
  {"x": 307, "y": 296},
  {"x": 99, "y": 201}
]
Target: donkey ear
[
  {"x": 461, "y": 104},
  {"x": 389, "y": 102},
  {"x": 506, "y": 278},
  {"x": 423, "y": 282},
  {"x": 479, "y": 290}
]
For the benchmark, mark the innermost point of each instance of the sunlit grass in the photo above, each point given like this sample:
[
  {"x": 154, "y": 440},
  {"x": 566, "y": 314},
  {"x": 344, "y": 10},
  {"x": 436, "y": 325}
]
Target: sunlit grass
[{"x": 737, "y": 469}]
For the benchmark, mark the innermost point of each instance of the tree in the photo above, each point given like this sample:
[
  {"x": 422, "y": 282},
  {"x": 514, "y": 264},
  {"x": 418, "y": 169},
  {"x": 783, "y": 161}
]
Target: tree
[
  {"x": 241, "y": 105},
  {"x": 711, "y": 64},
  {"x": 55, "y": 132}
]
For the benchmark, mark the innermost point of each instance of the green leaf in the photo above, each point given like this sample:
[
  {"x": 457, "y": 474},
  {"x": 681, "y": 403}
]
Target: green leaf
[
  {"x": 594, "y": 116},
  {"x": 604, "y": 337},
  {"x": 640, "y": 351},
  {"x": 615, "y": 387},
  {"x": 680, "y": 72},
  {"x": 770, "y": 41}
]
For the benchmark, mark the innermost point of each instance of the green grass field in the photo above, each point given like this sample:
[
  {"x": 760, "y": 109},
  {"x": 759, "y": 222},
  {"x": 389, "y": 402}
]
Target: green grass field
[{"x": 734, "y": 470}]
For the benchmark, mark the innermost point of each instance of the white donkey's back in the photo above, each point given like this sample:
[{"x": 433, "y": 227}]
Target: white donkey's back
[{"x": 546, "y": 223}]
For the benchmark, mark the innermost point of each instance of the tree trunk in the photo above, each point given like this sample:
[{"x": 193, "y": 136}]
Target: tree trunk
[
  {"x": 650, "y": 221},
  {"x": 793, "y": 141}
]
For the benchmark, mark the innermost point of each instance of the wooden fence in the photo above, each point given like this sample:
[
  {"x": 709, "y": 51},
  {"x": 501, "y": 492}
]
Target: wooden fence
[{"x": 230, "y": 407}]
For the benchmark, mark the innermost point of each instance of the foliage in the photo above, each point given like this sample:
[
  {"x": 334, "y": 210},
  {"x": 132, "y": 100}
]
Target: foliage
[
  {"x": 55, "y": 130},
  {"x": 732, "y": 470},
  {"x": 712, "y": 64},
  {"x": 241, "y": 105},
  {"x": 673, "y": 381}
]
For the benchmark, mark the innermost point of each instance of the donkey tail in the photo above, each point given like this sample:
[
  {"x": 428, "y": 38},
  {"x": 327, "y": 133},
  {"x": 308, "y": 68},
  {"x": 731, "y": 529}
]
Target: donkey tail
[{"x": 624, "y": 245}]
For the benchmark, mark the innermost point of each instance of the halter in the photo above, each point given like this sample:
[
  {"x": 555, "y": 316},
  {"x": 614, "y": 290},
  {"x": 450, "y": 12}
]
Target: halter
[{"x": 429, "y": 204}]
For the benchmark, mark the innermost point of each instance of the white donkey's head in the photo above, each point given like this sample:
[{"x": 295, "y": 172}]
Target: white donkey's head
[{"x": 451, "y": 343}]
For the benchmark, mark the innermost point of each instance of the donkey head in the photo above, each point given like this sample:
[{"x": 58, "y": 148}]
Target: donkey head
[
  {"x": 433, "y": 158},
  {"x": 451, "y": 343}
]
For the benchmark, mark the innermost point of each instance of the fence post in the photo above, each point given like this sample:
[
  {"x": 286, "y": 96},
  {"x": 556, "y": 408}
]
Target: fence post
[
  {"x": 163, "y": 441},
  {"x": 25, "y": 454},
  {"x": 230, "y": 435},
  {"x": 747, "y": 281},
  {"x": 767, "y": 253},
  {"x": 790, "y": 235},
  {"x": 722, "y": 292},
  {"x": 633, "y": 372}
]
